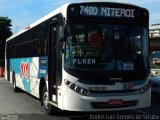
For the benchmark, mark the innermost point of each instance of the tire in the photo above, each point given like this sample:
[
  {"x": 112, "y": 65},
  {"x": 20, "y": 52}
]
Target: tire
[
  {"x": 50, "y": 109},
  {"x": 15, "y": 88}
]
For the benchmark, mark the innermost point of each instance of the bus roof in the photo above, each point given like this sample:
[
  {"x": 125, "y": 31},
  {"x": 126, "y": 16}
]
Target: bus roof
[{"x": 62, "y": 10}]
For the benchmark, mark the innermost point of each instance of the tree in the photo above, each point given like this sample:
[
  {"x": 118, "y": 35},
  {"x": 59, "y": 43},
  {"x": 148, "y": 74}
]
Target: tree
[{"x": 5, "y": 32}]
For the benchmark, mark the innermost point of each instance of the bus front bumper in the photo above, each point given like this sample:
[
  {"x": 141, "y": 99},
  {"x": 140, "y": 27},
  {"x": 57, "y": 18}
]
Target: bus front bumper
[{"x": 73, "y": 101}]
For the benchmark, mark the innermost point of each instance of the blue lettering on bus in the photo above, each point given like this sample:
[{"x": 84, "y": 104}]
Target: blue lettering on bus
[{"x": 43, "y": 67}]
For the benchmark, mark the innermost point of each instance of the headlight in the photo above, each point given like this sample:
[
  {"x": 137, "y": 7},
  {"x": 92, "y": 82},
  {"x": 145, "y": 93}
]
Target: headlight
[
  {"x": 144, "y": 88},
  {"x": 76, "y": 88},
  {"x": 72, "y": 86}
]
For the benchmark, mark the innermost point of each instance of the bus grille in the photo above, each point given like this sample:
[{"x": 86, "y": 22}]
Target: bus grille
[
  {"x": 105, "y": 105},
  {"x": 114, "y": 91}
]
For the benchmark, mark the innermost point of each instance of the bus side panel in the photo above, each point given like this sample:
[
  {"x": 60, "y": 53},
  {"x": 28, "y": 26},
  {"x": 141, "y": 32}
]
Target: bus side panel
[
  {"x": 28, "y": 72},
  {"x": 21, "y": 67},
  {"x": 5, "y": 72},
  {"x": 34, "y": 80}
]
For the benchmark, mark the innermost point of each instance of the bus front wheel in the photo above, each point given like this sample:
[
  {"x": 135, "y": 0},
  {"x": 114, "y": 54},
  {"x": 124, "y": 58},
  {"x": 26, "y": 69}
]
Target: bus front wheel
[{"x": 50, "y": 109}]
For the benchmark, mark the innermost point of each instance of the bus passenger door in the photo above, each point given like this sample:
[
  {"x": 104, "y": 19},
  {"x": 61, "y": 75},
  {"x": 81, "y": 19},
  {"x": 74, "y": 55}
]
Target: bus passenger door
[
  {"x": 55, "y": 59},
  {"x": 52, "y": 63}
]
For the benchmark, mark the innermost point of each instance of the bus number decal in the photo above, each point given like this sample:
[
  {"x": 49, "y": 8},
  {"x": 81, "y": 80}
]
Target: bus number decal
[
  {"x": 88, "y": 10},
  {"x": 24, "y": 69}
]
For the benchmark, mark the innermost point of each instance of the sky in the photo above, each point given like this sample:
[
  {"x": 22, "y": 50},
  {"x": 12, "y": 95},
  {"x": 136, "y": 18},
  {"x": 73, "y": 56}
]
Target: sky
[{"x": 25, "y": 12}]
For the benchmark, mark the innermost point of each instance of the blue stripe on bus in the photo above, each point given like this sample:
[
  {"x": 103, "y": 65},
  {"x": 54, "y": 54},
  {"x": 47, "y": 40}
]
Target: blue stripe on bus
[{"x": 43, "y": 67}]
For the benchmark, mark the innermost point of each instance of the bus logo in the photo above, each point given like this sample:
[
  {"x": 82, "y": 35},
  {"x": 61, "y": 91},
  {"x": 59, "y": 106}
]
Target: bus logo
[
  {"x": 24, "y": 69},
  {"x": 129, "y": 85}
]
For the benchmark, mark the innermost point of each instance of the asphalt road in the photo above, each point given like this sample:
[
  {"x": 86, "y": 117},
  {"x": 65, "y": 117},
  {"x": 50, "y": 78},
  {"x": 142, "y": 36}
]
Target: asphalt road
[{"x": 22, "y": 106}]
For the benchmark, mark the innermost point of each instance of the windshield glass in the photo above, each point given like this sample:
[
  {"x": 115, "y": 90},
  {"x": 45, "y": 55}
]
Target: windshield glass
[{"x": 101, "y": 47}]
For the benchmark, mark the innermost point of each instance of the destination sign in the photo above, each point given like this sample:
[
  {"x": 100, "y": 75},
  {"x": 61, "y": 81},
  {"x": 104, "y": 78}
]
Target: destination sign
[{"x": 107, "y": 12}]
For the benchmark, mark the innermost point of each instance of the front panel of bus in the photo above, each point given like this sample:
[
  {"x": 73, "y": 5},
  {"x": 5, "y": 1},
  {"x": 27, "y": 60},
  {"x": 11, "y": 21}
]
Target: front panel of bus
[{"x": 106, "y": 65}]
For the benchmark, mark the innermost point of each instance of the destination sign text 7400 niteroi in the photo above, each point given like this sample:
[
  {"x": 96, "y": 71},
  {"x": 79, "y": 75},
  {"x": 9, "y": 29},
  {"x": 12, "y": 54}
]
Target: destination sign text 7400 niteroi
[{"x": 106, "y": 12}]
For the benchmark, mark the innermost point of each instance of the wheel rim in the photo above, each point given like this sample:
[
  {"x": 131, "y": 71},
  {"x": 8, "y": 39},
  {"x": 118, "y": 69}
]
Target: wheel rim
[{"x": 45, "y": 100}]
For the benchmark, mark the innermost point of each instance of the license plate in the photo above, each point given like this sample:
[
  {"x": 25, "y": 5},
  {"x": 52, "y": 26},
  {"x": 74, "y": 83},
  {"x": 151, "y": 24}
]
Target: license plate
[
  {"x": 116, "y": 102},
  {"x": 99, "y": 88}
]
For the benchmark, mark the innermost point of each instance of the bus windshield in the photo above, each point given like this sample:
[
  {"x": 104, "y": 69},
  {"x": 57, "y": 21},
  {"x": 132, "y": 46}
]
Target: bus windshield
[{"x": 102, "y": 47}]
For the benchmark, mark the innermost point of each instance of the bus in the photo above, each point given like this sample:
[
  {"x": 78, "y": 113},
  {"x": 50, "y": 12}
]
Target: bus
[{"x": 89, "y": 56}]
